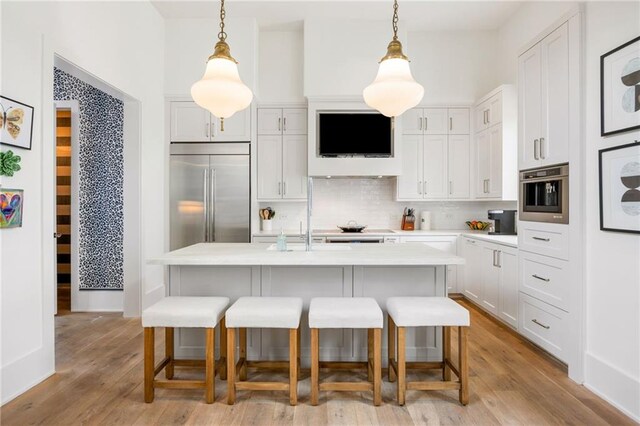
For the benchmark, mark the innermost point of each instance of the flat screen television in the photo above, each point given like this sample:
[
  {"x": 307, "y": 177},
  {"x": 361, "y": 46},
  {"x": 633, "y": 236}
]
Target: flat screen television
[{"x": 354, "y": 133}]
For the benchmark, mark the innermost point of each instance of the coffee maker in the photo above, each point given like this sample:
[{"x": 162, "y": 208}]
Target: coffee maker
[{"x": 505, "y": 222}]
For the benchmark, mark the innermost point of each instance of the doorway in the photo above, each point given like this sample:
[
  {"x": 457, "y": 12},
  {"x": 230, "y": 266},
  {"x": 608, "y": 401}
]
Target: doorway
[{"x": 63, "y": 209}]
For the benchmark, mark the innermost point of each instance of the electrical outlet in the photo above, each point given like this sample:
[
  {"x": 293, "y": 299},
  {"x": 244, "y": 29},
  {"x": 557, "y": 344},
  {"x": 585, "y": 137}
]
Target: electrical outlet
[
  {"x": 448, "y": 215},
  {"x": 284, "y": 217}
]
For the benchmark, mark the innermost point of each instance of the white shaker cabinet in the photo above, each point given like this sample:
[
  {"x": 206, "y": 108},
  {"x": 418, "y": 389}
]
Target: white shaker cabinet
[
  {"x": 436, "y": 154},
  {"x": 496, "y": 172},
  {"x": 191, "y": 123},
  {"x": 544, "y": 105},
  {"x": 442, "y": 242},
  {"x": 282, "y": 154},
  {"x": 491, "y": 278}
]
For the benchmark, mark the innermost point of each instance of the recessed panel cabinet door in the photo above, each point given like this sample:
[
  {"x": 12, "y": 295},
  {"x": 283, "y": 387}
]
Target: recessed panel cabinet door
[
  {"x": 435, "y": 167},
  {"x": 410, "y": 181},
  {"x": 269, "y": 167},
  {"x": 529, "y": 107},
  {"x": 459, "y": 153},
  {"x": 459, "y": 121},
  {"x": 508, "y": 261},
  {"x": 294, "y": 167},
  {"x": 269, "y": 121},
  {"x": 413, "y": 122},
  {"x": 189, "y": 123},
  {"x": 294, "y": 121},
  {"x": 436, "y": 121},
  {"x": 237, "y": 128},
  {"x": 472, "y": 252},
  {"x": 494, "y": 185},
  {"x": 554, "y": 145},
  {"x": 483, "y": 147},
  {"x": 490, "y": 293},
  {"x": 494, "y": 114}
]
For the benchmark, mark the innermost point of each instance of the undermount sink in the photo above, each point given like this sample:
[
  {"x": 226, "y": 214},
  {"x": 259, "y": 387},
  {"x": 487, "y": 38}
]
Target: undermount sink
[{"x": 315, "y": 247}]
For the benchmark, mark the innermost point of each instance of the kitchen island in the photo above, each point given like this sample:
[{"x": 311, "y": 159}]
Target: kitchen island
[{"x": 336, "y": 270}]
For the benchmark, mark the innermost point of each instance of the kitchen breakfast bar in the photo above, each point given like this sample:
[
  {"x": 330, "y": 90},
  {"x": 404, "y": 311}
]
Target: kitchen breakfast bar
[{"x": 329, "y": 270}]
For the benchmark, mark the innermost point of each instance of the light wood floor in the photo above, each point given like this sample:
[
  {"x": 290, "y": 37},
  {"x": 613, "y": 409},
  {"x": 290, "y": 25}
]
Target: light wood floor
[{"x": 99, "y": 381}]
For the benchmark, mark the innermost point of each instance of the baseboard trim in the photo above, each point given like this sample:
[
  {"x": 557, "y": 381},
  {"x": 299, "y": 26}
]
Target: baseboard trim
[
  {"x": 613, "y": 385},
  {"x": 20, "y": 375}
]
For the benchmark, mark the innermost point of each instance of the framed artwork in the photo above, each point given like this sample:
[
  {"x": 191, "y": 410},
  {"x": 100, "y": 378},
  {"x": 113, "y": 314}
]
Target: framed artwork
[
  {"x": 16, "y": 123},
  {"x": 620, "y": 188},
  {"x": 11, "y": 208},
  {"x": 620, "y": 89}
]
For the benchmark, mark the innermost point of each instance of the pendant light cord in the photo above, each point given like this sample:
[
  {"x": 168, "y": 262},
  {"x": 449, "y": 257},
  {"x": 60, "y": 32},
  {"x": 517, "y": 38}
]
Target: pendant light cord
[
  {"x": 395, "y": 19},
  {"x": 222, "y": 36}
]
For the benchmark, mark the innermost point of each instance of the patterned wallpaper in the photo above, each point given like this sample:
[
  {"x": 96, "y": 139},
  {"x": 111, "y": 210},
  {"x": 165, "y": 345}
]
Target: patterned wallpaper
[{"x": 101, "y": 173}]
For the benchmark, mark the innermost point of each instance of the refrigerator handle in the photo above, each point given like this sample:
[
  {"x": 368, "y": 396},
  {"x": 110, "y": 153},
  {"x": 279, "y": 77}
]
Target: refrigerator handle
[
  {"x": 206, "y": 206},
  {"x": 212, "y": 203}
]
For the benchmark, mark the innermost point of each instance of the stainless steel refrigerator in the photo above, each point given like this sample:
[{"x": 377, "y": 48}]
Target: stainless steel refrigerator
[{"x": 210, "y": 199}]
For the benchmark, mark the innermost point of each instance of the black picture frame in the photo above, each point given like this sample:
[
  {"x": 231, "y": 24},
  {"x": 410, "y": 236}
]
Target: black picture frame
[
  {"x": 29, "y": 111},
  {"x": 602, "y": 105},
  {"x": 601, "y": 192}
]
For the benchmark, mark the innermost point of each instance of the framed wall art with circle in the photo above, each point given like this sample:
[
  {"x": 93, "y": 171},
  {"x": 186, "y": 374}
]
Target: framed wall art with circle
[
  {"x": 620, "y": 188},
  {"x": 620, "y": 89}
]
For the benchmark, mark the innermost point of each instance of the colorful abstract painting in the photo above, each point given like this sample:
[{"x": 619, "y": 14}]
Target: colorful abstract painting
[{"x": 11, "y": 208}]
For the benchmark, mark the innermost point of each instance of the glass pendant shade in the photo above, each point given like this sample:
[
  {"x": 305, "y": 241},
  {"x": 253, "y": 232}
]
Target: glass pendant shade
[
  {"x": 220, "y": 90},
  {"x": 394, "y": 90}
]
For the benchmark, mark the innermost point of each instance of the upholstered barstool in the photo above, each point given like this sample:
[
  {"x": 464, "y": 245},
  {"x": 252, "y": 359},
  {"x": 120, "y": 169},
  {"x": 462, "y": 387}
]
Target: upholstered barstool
[
  {"x": 340, "y": 313},
  {"x": 187, "y": 312},
  {"x": 428, "y": 312},
  {"x": 263, "y": 312}
]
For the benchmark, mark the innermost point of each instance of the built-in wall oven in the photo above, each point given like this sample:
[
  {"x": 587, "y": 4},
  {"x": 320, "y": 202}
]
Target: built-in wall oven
[{"x": 544, "y": 194}]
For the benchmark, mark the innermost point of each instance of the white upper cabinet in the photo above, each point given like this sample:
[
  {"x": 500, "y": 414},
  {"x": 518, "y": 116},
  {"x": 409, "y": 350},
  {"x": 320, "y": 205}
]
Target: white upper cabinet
[
  {"x": 436, "y": 154},
  {"x": 543, "y": 75},
  {"x": 435, "y": 167},
  {"x": 282, "y": 153},
  {"x": 191, "y": 123},
  {"x": 294, "y": 166},
  {"x": 436, "y": 121},
  {"x": 496, "y": 172},
  {"x": 458, "y": 121},
  {"x": 459, "y": 162}
]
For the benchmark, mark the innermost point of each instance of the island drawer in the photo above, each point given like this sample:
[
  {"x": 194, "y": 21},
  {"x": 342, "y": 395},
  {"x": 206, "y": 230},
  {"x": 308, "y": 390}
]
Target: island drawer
[
  {"x": 544, "y": 325},
  {"x": 545, "y": 278}
]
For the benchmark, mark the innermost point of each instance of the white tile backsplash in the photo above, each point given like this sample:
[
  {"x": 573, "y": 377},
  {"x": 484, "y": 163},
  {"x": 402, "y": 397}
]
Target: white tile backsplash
[{"x": 371, "y": 202}]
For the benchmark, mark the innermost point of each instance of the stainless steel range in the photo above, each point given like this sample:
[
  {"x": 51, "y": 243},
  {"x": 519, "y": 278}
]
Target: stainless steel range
[{"x": 367, "y": 236}]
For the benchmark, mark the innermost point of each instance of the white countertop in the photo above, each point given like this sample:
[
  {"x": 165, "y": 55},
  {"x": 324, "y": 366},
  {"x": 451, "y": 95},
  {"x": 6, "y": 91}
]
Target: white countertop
[
  {"x": 246, "y": 254},
  {"x": 508, "y": 240}
]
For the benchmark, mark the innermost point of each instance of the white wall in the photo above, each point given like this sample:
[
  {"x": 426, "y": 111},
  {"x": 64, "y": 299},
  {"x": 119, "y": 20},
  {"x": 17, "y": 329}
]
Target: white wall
[
  {"x": 120, "y": 43},
  {"x": 612, "y": 363},
  {"x": 454, "y": 67},
  {"x": 281, "y": 65},
  {"x": 190, "y": 42}
]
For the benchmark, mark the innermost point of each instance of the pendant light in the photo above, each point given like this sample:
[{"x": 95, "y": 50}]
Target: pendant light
[
  {"x": 394, "y": 90},
  {"x": 220, "y": 90}
]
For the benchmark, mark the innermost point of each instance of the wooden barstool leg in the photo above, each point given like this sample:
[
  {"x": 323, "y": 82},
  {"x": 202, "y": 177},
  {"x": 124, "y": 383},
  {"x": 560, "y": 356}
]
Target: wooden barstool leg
[
  {"x": 377, "y": 366},
  {"x": 293, "y": 366},
  {"x": 402, "y": 372},
  {"x": 391, "y": 348},
  {"x": 370, "y": 351},
  {"x": 223, "y": 349},
  {"x": 168, "y": 351},
  {"x": 209, "y": 368},
  {"x": 315, "y": 360},
  {"x": 299, "y": 352},
  {"x": 446, "y": 353},
  {"x": 463, "y": 353},
  {"x": 231, "y": 366},
  {"x": 149, "y": 360},
  {"x": 243, "y": 354}
]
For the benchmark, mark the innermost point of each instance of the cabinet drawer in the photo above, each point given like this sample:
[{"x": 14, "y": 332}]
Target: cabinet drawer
[
  {"x": 544, "y": 325},
  {"x": 547, "y": 239},
  {"x": 545, "y": 278}
]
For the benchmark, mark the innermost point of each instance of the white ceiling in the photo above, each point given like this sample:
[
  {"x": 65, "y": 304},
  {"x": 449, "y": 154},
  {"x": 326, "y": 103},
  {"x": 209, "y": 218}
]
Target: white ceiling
[{"x": 416, "y": 15}]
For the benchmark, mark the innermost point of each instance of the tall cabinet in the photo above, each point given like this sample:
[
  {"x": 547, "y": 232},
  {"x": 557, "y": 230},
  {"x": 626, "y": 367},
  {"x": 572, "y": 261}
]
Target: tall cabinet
[
  {"x": 282, "y": 154},
  {"x": 435, "y": 154}
]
